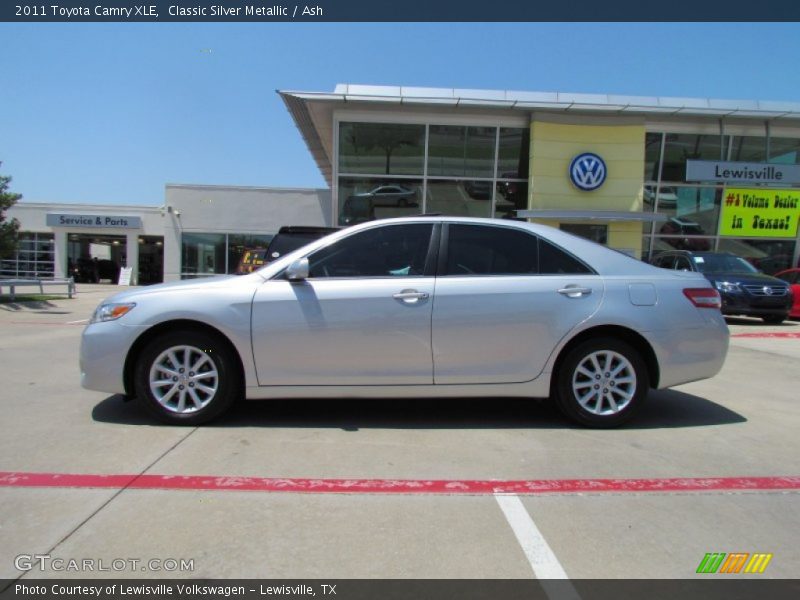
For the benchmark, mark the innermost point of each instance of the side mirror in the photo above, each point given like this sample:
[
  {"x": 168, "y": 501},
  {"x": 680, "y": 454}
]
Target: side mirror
[{"x": 298, "y": 270}]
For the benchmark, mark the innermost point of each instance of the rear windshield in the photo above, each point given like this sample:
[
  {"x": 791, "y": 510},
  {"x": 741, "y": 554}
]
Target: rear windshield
[{"x": 722, "y": 263}]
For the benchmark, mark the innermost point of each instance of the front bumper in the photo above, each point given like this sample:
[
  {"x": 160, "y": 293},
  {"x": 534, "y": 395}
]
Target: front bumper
[
  {"x": 104, "y": 348},
  {"x": 763, "y": 306}
]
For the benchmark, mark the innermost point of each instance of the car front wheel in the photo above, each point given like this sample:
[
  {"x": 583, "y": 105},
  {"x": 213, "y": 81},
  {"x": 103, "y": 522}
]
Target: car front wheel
[
  {"x": 601, "y": 383},
  {"x": 187, "y": 377}
]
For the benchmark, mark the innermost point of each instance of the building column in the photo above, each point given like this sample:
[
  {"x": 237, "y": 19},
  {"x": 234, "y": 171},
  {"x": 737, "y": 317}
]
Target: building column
[
  {"x": 132, "y": 254},
  {"x": 60, "y": 252}
]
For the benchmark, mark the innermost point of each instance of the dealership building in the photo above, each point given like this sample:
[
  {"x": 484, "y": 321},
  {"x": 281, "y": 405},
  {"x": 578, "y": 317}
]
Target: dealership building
[{"x": 639, "y": 174}]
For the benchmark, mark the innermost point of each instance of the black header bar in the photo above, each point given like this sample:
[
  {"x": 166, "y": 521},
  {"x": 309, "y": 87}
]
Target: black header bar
[{"x": 227, "y": 11}]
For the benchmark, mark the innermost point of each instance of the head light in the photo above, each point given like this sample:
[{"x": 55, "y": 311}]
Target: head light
[
  {"x": 111, "y": 312},
  {"x": 727, "y": 286}
]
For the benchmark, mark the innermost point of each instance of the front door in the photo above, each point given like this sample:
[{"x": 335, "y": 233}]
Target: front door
[{"x": 362, "y": 317}]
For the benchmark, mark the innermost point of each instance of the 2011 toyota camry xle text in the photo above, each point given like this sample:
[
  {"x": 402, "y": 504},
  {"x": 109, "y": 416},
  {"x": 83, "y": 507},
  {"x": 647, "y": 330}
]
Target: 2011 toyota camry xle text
[{"x": 423, "y": 306}]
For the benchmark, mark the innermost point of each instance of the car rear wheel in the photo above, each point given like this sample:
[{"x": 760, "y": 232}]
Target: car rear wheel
[
  {"x": 187, "y": 377},
  {"x": 601, "y": 383}
]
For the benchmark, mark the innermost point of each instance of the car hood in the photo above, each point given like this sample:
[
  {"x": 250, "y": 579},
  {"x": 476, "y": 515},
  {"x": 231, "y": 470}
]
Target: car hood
[
  {"x": 187, "y": 286},
  {"x": 745, "y": 278}
]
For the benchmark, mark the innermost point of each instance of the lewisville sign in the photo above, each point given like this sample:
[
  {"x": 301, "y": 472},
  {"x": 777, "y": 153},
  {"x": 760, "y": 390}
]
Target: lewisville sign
[{"x": 747, "y": 172}]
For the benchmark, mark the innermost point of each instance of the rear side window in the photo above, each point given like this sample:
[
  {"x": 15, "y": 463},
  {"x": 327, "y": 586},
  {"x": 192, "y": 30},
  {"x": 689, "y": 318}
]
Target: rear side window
[
  {"x": 486, "y": 250},
  {"x": 554, "y": 261}
]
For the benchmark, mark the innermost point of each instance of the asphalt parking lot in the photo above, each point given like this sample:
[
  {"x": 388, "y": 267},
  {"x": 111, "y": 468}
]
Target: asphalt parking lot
[{"x": 395, "y": 488}]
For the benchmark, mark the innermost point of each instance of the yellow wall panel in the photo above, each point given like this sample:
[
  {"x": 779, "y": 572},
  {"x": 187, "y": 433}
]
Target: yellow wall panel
[{"x": 554, "y": 145}]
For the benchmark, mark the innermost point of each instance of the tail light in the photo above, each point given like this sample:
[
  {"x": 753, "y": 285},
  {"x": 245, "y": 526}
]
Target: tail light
[{"x": 703, "y": 297}]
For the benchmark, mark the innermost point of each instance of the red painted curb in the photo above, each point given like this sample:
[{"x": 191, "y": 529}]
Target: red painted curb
[
  {"x": 396, "y": 486},
  {"x": 774, "y": 334}
]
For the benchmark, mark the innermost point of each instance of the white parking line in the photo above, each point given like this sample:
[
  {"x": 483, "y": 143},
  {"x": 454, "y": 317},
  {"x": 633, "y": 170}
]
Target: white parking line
[
  {"x": 76, "y": 322},
  {"x": 540, "y": 556}
]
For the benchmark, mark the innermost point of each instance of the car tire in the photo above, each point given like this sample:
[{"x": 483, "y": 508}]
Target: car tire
[
  {"x": 187, "y": 377},
  {"x": 601, "y": 383},
  {"x": 775, "y": 319}
]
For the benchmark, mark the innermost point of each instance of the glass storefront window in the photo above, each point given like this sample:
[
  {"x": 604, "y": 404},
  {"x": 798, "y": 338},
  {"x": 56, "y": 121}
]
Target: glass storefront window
[
  {"x": 239, "y": 243},
  {"x": 362, "y": 200},
  {"x": 34, "y": 257},
  {"x": 513, "y": 155},
  {"x": 748, "y": 148},
  {"x": 510, "y": 197},
  {"x": 662, "y": 243},
  {"x": 766, "y": 255},
  {"x": 691, "y": 211},
  {"x": 652, "y": 155},
  {"x": 471, "y": 198},
  {"x": 202, "y": 254},
  {"x": 456, "y": 151},
  {"x": 680, "y": 147},
  {"x": 381, "y": 148},
  {"x": 784, "y": 151}
]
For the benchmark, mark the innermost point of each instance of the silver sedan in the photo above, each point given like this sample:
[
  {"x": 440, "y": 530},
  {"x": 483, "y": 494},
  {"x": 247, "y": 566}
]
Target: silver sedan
[{"x": 420, "y": 306}]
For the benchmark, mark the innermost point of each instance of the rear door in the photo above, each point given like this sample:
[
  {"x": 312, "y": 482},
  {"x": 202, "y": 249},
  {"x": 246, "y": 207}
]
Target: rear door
[{"x": 504, "y": 299}]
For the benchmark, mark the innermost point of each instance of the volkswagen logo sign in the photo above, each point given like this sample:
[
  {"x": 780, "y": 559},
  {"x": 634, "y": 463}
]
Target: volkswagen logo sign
[
  {"x": 767, "y": 291},
  {"x": 587, "y": 171}
]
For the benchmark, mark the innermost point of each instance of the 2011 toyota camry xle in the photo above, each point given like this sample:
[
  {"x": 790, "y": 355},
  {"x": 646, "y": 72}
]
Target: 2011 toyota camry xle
[{"x": 416, "y": 307}]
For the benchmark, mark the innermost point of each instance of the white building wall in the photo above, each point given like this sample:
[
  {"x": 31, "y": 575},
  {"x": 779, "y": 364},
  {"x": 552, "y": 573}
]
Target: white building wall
[
  {"x": 187, "y": 208},
  {"x": 228, "y": 209}
]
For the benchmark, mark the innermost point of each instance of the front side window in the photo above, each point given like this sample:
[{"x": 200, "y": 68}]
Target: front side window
[{"x": 390, "y": 251}]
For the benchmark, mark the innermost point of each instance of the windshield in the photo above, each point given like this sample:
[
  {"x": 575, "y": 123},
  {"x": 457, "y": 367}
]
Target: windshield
[{"x": 723, "y": 263}]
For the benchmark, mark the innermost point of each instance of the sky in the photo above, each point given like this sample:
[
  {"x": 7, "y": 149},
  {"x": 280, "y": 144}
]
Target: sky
[{"x": 111, "y": 113}]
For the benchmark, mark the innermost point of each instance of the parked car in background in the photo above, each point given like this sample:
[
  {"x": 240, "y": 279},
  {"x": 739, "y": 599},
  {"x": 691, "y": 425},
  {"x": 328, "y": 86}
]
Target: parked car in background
[
  {"x": 683, "y": 227},
  {"x": 424, "y": 306},
  {"x": 792, "y": 277},
  {"x": 667, "y": 196},
  {"x": 359, "y": 208},
  {"x": 744, "y": 289},
  {"x": 288, "y": 239},
  {"x": 479, "y": 190}
]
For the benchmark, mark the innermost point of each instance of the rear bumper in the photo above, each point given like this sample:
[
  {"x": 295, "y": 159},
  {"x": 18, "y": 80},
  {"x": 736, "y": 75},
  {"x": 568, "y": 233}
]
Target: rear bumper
[{"x": 690, "y": 354}]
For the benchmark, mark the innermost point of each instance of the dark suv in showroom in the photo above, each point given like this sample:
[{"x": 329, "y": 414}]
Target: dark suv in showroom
[{"x": 744, "y": 289}]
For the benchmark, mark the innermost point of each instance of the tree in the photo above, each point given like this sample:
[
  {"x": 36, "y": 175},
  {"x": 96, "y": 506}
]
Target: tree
[
  {"x": 8, "y": 228},
  {"x": 386, "y": 138}
]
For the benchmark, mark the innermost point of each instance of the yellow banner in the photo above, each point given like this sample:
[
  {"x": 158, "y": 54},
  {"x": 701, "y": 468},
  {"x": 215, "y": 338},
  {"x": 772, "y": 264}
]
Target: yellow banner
[{"x": 759, "y": 212}]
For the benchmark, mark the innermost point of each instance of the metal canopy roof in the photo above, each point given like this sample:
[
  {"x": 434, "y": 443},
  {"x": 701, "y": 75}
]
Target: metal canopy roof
[
  {"x": 592, "y": 215},
  {"x": 298, "y": 104}
]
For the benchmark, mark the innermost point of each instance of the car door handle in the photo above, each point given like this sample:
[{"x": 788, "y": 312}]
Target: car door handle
[
  {"x": 410, "y": 296},
  {"x": 574, "y": 291}
]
